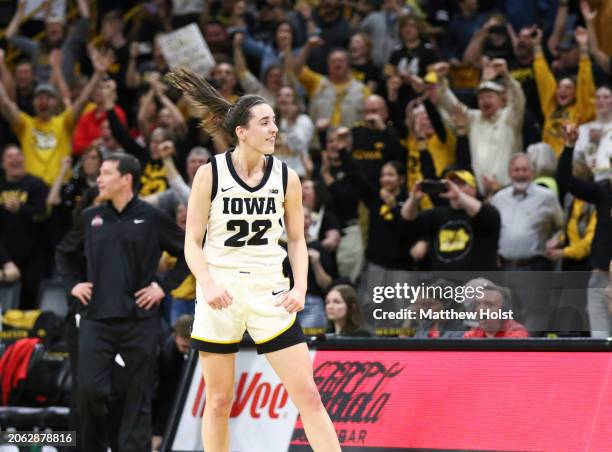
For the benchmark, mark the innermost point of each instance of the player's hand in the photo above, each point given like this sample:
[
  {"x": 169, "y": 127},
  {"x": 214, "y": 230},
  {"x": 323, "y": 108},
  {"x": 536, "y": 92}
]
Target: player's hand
[
  {"x": 216, "y": 296},
  {"x": 150, "y": 296},
  {"x": 293, "y": 301},
  {"x": 83, "y": 292}
]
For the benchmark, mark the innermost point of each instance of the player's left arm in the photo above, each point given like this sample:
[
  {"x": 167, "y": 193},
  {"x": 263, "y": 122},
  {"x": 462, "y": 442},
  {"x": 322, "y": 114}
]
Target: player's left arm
[{"x": 293, "y": 301}]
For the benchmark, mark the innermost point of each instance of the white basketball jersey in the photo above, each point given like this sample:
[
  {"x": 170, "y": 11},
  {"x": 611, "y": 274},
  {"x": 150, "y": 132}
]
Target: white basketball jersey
[{"x": 245, "y": 223}]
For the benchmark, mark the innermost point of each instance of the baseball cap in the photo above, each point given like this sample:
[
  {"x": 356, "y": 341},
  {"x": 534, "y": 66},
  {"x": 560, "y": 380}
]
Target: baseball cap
[
  {"x": 45, "y": 88},
  {"x": 490, "y": 86},
  {"x": 431, "y": 77},
  {"x": 463, "y": 175},
  {"x": 54, "y": 18}
]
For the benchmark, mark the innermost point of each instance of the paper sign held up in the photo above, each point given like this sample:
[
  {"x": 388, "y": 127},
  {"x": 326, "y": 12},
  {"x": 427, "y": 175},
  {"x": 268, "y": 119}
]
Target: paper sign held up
[{"x": 186, "y": 47}]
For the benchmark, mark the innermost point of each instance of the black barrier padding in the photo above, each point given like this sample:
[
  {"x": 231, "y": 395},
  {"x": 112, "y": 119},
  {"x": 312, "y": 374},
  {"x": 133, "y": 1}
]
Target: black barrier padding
[{"x": 485, "y": 345}]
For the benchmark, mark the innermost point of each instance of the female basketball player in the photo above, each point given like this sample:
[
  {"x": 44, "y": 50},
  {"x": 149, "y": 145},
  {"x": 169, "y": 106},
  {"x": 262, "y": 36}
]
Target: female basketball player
[{"x": 243, "y": 200}]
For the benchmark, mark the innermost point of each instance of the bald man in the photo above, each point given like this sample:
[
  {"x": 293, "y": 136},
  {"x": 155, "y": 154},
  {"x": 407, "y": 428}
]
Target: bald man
[{"x": 375, "y": 140}]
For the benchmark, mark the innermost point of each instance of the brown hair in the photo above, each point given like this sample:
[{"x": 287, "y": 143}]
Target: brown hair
[
  {"x": 219, "y": 116},
  {"x": 182, "y": 327},
  {"x": 353, "y": 310}
]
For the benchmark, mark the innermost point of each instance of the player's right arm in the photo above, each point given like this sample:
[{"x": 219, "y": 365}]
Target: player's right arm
[{"x": 198, "y": 209}]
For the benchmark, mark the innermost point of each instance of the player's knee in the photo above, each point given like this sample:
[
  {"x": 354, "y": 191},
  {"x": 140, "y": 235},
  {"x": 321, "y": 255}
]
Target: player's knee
[
  {"x": 308, "y": 398},
  {"x": 219, "y": 404}
]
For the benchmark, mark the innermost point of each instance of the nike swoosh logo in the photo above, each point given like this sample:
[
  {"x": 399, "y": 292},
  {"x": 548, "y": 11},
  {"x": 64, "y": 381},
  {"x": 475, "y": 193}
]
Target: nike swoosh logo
[
  {"x": 223, "y": 190},
  {"x": 276, "y": 292},
  {"x": 138, "y": 221}
]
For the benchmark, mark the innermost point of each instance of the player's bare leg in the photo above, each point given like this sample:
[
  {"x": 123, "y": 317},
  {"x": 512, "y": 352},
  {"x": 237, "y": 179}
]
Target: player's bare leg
[
  {"x": 294, "y": 368},
  {"x": 218, "y": 371}
]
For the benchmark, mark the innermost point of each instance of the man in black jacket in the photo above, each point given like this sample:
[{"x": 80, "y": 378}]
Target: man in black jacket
[
  {"x": 22, "y": 210},
  {"x": 122, "y": 241}
]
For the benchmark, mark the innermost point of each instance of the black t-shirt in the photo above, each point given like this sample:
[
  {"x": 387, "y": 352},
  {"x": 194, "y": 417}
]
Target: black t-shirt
[
  {"x": 4, "y": 257},
  {"x": 368, "y": 72},
  {"x": 390, "y": 237},
  {"x": 373, "y": 148},
  {"x": 19, "y": 230},
  {"x": 600, "y": 195},
  {"x": 125, "y": 95},
  {"x": 329, "y": 265},
  {"x": 414, "y": 60},
  {"x": 328, "y": 222},
  {"x": 344, "y": 197},
  {"x": 458, "y": 241}
]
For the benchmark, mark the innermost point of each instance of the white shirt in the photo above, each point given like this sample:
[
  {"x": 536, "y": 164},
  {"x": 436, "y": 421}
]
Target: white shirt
[
  {"x": 596, "y": 156},
  {"x": 528, "y": 220},
  {"x": 493, "y": 141},
  {"x": 297, "y": 137}
]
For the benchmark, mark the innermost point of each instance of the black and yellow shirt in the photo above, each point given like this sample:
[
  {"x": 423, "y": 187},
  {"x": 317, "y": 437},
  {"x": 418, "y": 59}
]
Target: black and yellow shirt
[
  {"x": 458, "y": 241},
  {"x": 19, "y": 230},
  {"x": 581, "y": 111},
  {"x": 373, "y": 148}
]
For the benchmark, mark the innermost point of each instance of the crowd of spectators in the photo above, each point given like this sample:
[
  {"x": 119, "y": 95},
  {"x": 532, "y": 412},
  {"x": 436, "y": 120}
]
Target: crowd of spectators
[{"x": 506, "y": 103}]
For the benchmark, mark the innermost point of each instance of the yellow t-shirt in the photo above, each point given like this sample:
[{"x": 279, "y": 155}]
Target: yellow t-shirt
[{"x": 45, "y": 143}]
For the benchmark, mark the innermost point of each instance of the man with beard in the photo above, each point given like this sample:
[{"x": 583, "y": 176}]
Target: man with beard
[{"x": 530, "y": 216}]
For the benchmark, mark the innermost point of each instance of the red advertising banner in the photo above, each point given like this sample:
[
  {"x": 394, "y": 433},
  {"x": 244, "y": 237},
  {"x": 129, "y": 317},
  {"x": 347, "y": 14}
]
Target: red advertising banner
[{"x": 464, "y": 400}]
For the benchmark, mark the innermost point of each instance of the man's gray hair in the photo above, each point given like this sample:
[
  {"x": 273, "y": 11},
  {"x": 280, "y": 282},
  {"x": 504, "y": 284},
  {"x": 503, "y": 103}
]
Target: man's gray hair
[
  {"x": 199, "y": 151},
  {"x": 488, "y": 285}
]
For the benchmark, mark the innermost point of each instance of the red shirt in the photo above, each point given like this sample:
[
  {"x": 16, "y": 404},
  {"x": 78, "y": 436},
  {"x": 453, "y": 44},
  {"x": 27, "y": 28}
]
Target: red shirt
[
  {"x": 509, "y": 328},
  {"x": 88, "y": 128}
]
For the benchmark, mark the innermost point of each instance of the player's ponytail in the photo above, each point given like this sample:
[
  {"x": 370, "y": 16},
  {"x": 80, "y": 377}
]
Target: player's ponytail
[
  {"x": 203, "y": 96},
  {"x": 219, "y": 116}
]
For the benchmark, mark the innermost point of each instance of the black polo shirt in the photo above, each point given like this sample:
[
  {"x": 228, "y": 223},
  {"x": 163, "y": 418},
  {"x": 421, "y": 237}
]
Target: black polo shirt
[{"x": 122, "y": 250}]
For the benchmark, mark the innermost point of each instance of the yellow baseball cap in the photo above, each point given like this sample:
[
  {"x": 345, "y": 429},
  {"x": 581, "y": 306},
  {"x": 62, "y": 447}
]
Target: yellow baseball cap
[
  {"x": 463, "y": 175},
  {"x": 431, "y": 77}
]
